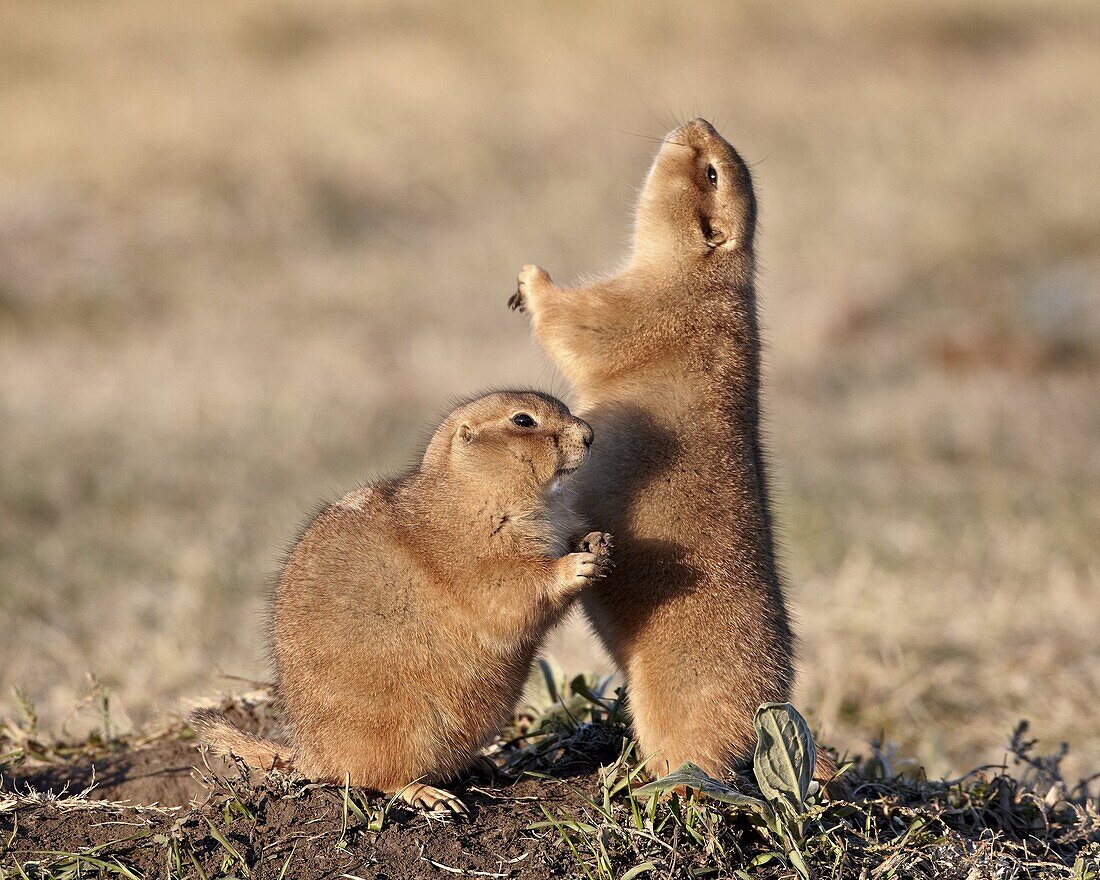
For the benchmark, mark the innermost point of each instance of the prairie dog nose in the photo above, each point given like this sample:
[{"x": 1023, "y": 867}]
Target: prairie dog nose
[{"x": 587, "y": 434}]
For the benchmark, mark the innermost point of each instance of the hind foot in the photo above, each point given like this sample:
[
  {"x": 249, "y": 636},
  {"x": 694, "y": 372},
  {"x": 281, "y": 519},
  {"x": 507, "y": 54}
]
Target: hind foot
[{"x": 428, "y": 797}]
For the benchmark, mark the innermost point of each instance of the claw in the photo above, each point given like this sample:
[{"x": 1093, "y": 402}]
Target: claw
[
  {"x": 428, "y": 797},
  {"x": 600, "y": 543}
]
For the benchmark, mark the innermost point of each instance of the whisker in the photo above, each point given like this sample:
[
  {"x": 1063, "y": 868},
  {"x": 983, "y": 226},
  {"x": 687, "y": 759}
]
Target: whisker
[
  {"x": 661, "y": 122},
  {"x": 644, "y": 137}
]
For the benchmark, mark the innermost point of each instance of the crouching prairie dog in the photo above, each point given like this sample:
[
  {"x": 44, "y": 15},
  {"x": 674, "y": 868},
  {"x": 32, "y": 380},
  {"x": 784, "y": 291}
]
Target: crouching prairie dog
[
  {"x": 665, "y": 360},
  {"x": 408, "y": 613}
]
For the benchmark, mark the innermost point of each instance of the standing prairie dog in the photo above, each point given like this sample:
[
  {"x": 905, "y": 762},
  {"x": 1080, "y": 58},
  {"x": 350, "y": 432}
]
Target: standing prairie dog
[
  {"x": 665, "y": 360},
  {"x": 408, "y": 613}
]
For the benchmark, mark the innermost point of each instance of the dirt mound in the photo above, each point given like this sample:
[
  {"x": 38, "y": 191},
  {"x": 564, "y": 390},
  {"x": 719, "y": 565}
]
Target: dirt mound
[
  {"x": 138, "y": 806},
  {"x": 155, "y": 807},
  {"x": 160, "y": 774},
  {"x": 313, "y": 831}
]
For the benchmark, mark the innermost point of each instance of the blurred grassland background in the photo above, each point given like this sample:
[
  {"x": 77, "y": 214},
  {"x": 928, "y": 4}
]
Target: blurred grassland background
[{"x": 250, "y": 250}]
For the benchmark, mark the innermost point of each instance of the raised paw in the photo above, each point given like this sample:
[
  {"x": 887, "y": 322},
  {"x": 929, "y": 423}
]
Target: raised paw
[
  {"x": 428, "y": 797},
  {"x": 529, "y": 278},
  {"x": 592, "y": 562},
  {"x": 596, "y": 542},
  {"x": 585, "y": 569}
]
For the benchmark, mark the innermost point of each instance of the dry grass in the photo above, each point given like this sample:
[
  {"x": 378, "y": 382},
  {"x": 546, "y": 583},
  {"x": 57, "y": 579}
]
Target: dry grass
[{"x": 249, "y": 250}]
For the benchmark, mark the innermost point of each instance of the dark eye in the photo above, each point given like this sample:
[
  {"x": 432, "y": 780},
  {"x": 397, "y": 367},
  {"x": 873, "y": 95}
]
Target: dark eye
[
  {"x": 712, "y": 176},
  {"x": 522, "y": 420}
]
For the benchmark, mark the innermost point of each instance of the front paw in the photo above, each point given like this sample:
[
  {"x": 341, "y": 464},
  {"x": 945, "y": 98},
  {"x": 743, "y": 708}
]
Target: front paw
[
  {"x": 592, "y": 561},
  {"x": 599, "y": 543},
  {"x": 530, "y": 278}
]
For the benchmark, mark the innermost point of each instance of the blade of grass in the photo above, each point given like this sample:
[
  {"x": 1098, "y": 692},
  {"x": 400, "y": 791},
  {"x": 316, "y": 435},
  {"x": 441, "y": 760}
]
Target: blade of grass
[
  {"x": 568, "y": 841},
  {"x": 76, "y": 858},
  {"x": 220, "y": 838},
  {"x": 198, "y": 867},
  {"x": 286, "y": 864}
]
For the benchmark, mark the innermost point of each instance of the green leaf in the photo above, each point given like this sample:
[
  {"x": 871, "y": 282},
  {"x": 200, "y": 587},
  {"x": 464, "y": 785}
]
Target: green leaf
[
  {"x": 691, "y": 776},
  {"x": 1082, "y": 870},
  {"x": 798, "y": 863},
  {"x": 638, "y": 870},
  {"x": 785, "y": 755}
]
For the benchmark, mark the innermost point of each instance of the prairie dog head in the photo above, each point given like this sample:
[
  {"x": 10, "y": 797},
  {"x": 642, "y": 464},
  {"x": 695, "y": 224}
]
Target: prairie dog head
[
  {"x": 698, "y": 198},
  {"x": 510, "y": 443}
]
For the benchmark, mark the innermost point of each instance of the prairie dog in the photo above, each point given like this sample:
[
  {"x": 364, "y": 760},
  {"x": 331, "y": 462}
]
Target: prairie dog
[
  {"x": 408, "y": 613},
  {"x": 665, "y": 360}
]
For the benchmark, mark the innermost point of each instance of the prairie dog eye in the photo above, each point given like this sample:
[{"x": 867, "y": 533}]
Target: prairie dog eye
[
  {"x": 522, "y": 420},
  {"x": 712, "y": 176}
]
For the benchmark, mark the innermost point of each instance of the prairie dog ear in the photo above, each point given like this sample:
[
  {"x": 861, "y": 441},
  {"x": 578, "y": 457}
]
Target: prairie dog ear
[
  {"x": 716, "y": 238},
  {"x": 712, "y": 235},
  {"x": 465, "y": 433}
]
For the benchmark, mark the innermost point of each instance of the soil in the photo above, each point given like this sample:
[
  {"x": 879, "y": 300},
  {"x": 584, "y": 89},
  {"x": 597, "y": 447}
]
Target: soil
[
  {"x": 167, "y": 788},
  {"x": 307, "y": 830},
  {"x": 155, "y": 807}
]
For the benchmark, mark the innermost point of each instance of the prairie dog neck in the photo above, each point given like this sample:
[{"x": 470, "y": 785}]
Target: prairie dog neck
[{"x": 493, "y": 523}]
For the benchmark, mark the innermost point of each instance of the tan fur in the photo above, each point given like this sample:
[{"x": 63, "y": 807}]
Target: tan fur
[
  {"x": 665, "y": 359},
  {"x": 223, "y": 737},
  {"x": 409, "y": 612}
]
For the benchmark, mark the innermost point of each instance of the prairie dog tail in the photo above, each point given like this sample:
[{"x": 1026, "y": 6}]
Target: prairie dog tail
[{"x": 223, "y": 737}]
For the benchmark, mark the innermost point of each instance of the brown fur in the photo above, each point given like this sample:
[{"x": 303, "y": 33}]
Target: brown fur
[
  {"x": 665, "y": 359},
  {"x": 408, "y": 613}
]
